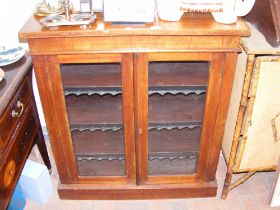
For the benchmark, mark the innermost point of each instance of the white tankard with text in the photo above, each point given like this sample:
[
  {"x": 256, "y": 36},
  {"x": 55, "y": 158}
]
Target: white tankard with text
[{"x": 232, "y": 9}]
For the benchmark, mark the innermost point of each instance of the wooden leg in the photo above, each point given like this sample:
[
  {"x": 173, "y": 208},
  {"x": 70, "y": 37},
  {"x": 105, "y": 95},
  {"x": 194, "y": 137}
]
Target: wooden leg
[
  {"x": 226, "y": 185},
  {"x": 239, "y": 124},
  {"x": 43, "y": 149}
]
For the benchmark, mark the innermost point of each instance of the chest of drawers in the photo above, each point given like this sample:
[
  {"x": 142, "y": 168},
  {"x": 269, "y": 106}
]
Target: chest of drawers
[{"x": 19, "y": 125}]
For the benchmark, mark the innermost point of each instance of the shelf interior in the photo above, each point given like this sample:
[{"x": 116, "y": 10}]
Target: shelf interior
[
  {"x": 105, "y": 111},
  {"x": 174, "y": 167},
  {"x": 164, "y": 77},
  {"x": 178, "y": 73},
  {"x": 176, "y": 151},
  {"x": 101, "y": 168},
  {"x": 111, "y": 142},
  {"x": 156, "y": 167},
  {"x": 93, "y": 95},
  {"x": 106, "y": 75},
  {"x": 100, "y": 152}
]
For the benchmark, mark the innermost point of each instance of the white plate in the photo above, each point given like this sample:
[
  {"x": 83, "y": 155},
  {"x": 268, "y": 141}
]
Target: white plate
[
  {"x": 2, "y": 73},
  {"x": 11, "y": 55}
]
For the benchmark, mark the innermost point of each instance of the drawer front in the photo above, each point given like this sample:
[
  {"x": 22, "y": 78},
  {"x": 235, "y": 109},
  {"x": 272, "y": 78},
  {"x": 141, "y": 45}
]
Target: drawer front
[
  {"x": 14, "y": 113},
  {"x": 12, "y": 164}
]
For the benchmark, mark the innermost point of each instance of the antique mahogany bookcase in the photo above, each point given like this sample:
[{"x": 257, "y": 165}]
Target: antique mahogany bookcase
[{"x": 136, "y": 112}]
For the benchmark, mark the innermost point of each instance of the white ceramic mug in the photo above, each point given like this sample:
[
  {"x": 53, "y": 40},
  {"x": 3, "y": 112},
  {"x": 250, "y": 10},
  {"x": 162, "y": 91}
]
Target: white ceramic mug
[
  {"x": 169, "y": 10},
  {"x": 232, "y": 9}
]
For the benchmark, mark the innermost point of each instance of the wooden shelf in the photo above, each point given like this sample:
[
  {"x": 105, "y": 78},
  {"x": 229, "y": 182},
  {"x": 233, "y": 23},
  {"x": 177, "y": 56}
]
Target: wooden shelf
[
  {"x": 172, "y": 156},
  {"x": 95, "y": 127},
  {"x": 112, "y": 142},
  {"x": 172, "y": 167},
  {"x": 91, "y": 75},
  {"x": 87, "y": 110},
  {"x": 107, "y": 110},
  {"x": 116, "y": 167},
  {"x": 101, "y": 153},
  {"x": 98, "y": 142},
  {"x": 168, "y": 140},
  {"x": 90, "y": 166},
  {"x": 152, "y": 126},
  {"x": 174, "y": 73},
  {"x": 93, "y": 90},
  {"x": 101, "y": 157},
  {"x": 159, "y": 164},
  {"x": 187, "y": 77},
  {"x": 176, "y": 108},
  {"x": 174, "y": 90},
  {"x": 101, "y": 168},
  {"x": 152, "y": 156},
  {"x": 174, "y": 125}
]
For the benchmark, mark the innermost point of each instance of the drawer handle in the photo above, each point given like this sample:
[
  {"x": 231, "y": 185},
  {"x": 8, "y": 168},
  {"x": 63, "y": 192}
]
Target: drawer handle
[{"x": 19, "y": 106}]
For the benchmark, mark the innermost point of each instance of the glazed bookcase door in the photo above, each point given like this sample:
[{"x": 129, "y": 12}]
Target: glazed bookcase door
[
  {"x": 97, "y": 91},
  {"x": 175, "y": 130}
]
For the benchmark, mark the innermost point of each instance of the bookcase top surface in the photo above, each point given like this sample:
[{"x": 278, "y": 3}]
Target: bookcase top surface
[{"x": 191, "y": 24}]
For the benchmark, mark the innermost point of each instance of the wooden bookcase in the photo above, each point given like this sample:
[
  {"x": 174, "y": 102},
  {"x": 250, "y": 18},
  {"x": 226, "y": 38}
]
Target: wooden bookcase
[{"x": 136, "y": 112}]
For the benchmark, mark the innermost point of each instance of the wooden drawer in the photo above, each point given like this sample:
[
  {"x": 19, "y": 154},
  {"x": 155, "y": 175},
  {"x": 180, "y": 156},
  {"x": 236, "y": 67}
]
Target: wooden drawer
[
  {"x": 14, "y": 113},
  {"x": 11, "y": 167}
]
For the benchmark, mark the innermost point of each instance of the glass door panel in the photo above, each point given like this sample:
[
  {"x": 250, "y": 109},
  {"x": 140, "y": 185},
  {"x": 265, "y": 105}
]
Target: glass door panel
[
  {"x": 93, "y": 96},
  {"x": 176, "y": 103}
]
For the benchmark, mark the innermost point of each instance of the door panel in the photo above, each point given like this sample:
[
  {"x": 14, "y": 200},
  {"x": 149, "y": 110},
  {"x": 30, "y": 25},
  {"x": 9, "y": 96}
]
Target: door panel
[
  {"x": 172, "y": 93},
  {"x": 96, "y": 94}
]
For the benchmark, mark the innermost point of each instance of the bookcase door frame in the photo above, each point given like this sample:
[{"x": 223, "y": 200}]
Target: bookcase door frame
[
  {"x": 64, "y": 150},
  {"x": 221, "y": 72}
]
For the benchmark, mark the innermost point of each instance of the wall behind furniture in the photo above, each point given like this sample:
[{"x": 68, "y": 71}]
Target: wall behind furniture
[{"x": 13, "y": 15}]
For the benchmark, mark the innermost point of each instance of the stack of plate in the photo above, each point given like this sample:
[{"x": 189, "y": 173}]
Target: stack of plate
[{"x": 11, "y": 55}]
